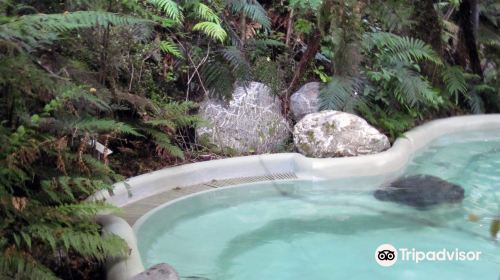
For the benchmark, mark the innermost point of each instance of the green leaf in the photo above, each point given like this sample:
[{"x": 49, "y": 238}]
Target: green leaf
[{"x": 212, "y": 30}]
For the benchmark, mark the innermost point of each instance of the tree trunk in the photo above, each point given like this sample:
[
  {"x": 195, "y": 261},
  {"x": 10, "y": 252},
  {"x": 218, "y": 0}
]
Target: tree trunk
[
  {"x": 428, "y": 29},
  {"x": 468, "y": 14},
  {"x": 289, "y": 28}
]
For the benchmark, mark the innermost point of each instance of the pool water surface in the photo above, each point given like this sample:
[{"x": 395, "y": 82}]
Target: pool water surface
[{"x": 331, "y": 229}]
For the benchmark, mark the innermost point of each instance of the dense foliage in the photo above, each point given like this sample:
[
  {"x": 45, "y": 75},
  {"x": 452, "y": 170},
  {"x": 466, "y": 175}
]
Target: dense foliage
[{"x": 128, "y": 74}]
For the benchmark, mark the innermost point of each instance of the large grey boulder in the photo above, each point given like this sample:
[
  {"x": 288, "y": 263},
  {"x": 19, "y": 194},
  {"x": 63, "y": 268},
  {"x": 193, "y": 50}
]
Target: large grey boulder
[
  {"x": 337, "y": 134},
  {"x": 421, "y": 191},
  {"x": 305, "y": 100},
  {"x": 251, "y": 122}
]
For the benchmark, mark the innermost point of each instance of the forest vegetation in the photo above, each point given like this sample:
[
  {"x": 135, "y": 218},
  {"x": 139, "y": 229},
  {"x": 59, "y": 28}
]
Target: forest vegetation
[{"x": 129, "y": 74}]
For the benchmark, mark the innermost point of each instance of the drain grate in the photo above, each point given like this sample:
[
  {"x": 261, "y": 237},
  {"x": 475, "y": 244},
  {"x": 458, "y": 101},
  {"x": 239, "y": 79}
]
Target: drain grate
[{"x": 253, "y": 179}]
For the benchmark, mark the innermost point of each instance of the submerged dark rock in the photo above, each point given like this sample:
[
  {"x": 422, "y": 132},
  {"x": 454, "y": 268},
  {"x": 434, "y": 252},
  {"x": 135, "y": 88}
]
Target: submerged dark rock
[{"x": 421, "y": 191}]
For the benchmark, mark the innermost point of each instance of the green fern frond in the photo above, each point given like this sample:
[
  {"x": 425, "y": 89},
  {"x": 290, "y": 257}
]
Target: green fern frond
[
  {"x": 239, "y": 64},
  {"x": 251, "y": 9},
  {"x": 104, "y": 125},
  {"x": 171, "y": 9},
  {"x": 412, "y": 89},
  {"x": 219, "y": 79},
  {"x": 454, "y": 79},
  {"x": 32, "y": 31},
  {"x": 20, "y": 265},
  {"x": 84, "y": 239},
  {"x": 341, "y": 93},
  {"x": 212, "y": 30},
  {"x": 475, "y": 103},
  {"x": 162, "y": 122},
  {"x": 206, "y": 13},
  {"x": 86, "y": 209},
  {"x": 163, "y": 142},
  {"x": 178, "y": 113},
  {"x": 400, "y": 49},
  {"x": 171, "y": 48}
]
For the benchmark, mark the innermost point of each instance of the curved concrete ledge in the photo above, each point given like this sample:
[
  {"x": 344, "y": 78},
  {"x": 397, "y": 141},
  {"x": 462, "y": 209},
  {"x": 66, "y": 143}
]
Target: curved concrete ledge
[
  {"x": 126, "y": 267},
  {"x": 390, "y": 163}
]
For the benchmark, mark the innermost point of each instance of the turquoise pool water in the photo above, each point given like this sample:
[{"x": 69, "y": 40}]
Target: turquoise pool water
[{"x": 330, "y": 230}]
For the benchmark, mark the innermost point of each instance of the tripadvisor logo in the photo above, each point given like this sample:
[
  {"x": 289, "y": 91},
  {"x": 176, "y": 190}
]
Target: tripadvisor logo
[{"x": 387, "y": 255}]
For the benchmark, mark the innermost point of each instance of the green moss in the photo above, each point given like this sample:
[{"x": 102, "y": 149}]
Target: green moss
[{"x": 329, "y": 128}]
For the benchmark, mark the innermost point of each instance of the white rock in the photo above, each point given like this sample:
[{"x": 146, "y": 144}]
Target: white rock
[
  {"x": 251, "y": 122},
  {"x": 337, "y": 134}
]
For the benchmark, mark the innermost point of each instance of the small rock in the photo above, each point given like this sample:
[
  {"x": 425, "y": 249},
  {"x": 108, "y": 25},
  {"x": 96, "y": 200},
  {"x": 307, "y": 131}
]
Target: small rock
[
  {"x": 421, "y": 191},
  {"x": 337, "y": 134},
  {"x": 305, "y": 100},
  {"x": 160, "y": 271}
]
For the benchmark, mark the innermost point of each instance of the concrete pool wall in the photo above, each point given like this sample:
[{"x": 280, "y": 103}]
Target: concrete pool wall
[{"x": 389, "y": 163}]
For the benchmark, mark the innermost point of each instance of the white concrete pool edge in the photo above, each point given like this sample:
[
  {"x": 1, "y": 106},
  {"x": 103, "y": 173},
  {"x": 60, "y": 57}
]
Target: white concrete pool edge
[{"x": 393, "y": 160}]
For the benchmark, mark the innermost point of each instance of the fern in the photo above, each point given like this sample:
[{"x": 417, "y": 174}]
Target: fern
[
  {"x": 33, "y": 31},
  {"x": 212, "y": 30},
  {"x": 341, "y": 93},
  {"x": 251, "y": 9},
  {"x": 164, "y": 143},
  {"x": 239, "y": 65},
  {"x": 16, "y": 264},
  {"x": 455, "y": 82},
  {"x": 400, "y": 49},
  {"x": 412, "y": 89},
  {"x": 219, "y": 79},
  {"x": 103, "y": 125},
  {"x": 206, "y": 13},
  {"x": 170, "y": 48},
  {"x": 475, "y": 103},
  {"x": 171, "y": 9}
]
